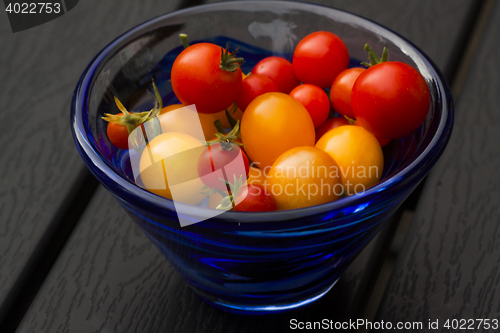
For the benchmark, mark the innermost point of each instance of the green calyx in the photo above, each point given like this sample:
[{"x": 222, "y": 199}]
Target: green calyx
[
  {"x": 228, "y": 201},
  {"x": 227, "y": 140},
  {"x": 373, "y": 56},
  {"x": 129, "y": 120},
  {"x": 184, "y": 40},
  {"x": 350, "y": 120},
  {"x": 132, "y": 120},
  {"x": 228, "y": 61},
  {"x": 205, "y": 190}
]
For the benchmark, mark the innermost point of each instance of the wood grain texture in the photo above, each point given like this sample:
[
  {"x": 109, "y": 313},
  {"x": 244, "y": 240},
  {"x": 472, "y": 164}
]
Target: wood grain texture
[
  {"x": 111, "y": 279},
  {"x": 450, "y": 267},
  {"x": 39, "y": 163}
]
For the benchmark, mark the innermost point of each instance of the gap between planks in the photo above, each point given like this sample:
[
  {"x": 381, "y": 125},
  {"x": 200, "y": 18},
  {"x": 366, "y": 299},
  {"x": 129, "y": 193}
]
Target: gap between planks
[{"x": 458, "y": 78}]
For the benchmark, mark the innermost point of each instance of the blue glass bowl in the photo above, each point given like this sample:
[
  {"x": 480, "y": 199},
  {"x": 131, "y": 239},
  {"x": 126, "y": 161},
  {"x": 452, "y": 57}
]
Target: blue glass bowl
[{"x": 252, "y": 262}]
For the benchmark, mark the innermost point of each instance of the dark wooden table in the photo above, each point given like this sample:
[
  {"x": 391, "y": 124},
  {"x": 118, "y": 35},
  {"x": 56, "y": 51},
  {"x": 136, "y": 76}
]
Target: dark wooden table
[{"x": 71, "y": 260}]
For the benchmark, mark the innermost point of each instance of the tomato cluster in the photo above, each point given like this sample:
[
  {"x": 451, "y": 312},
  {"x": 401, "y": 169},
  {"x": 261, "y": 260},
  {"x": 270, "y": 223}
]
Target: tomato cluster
[{"x": 285, "y": 148}]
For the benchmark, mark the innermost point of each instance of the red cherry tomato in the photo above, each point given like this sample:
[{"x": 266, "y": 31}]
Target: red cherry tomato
[
  {"x": 319, "y": 58},
  {"x": 254, "y": 198},
  {"x": 340, "y": 93},
  {"x": 118, "y": 135},
  {"x": 280, "y": 71},
  {"x": 329, "y": 125},
  {"x": 390, "y": 99},
  {"x": 252, "y": 86},
  {"x": 198, "y": 79},
  {"x": 219, "y": 156},
  {"x": 315, "y": 100},
  {"x": 383, "y": 141}
]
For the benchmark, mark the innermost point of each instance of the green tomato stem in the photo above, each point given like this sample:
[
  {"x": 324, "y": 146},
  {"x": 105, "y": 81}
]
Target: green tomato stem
[
  {"x": 228, "y": 60},
  {"x": 373, "y": 56},
  {"x": 184, "y": 40}
]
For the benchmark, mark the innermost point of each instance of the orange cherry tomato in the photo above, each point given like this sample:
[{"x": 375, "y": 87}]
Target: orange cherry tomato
[
  {"x": 303, "y": 177},
  {"x": 358, "y": 155},
  {"x": 272, "y": 124}
]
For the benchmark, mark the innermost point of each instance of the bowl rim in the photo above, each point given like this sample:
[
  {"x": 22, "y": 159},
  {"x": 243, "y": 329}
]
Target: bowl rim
[{"x": 82, "y": 93}]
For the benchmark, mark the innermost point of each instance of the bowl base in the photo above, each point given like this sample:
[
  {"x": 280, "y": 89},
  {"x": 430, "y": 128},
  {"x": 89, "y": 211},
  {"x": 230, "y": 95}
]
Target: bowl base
[{"x": 265, "y": 309}]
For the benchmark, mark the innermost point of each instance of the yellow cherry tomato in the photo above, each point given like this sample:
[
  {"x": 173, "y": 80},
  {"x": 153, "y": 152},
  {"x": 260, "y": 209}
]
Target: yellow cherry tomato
[
  {"x": 173, "y": 156},
  {"x": 171, "y": 107},
  {"x": 303, "y": 177},
  {"x": 272, "y": 124},
  {"x": 358, "y": 154},
  {"x": 172, "y": 123}
]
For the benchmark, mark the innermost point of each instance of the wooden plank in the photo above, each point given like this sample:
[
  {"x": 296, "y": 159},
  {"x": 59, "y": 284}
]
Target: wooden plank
[
  {"x": 111, "y": 278},
  {"x": 449, "y": 268},
  {"x": 40, "y": 166}
]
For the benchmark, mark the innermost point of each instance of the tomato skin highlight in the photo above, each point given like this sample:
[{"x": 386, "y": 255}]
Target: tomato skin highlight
[
  {"x": 319, "y": 58},
  {"x": 329, "y": 125},
  {"x": 254, "y": 198},
  {"x": 118, "y": 135},
  {"x": 253, "y": 86},
  {"x": 217, "y": 156},
  {"x": 390, "y": 99},
  {"x": 197, "y": 79},
  {"x": 280, "y": 71},
  {"x": 341, "y": 90},
  {"x": 315, "y": 100},
  {"x": 272, "y": 124}
]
